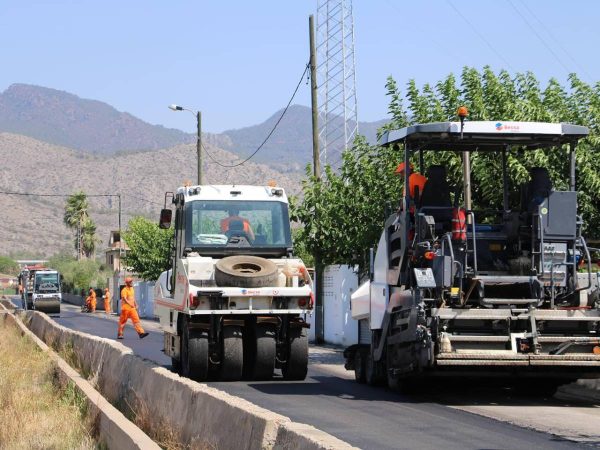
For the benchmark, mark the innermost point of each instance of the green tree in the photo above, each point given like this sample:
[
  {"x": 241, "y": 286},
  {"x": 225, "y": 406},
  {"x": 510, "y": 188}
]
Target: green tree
[
  {"x": 82, "y": 274},
  {"x": 343, "y": 214},
  {"x": 149, "y": 248},
  {"x": 8, "y": 266},
  {"x": 89, "y": 238},
  {"x": 76, "y": 218}
]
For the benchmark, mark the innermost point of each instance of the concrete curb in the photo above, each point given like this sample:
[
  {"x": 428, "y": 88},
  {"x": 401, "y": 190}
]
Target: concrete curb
[
  {"x": 114, "y": 429},
  {"x": 201, "y": 415}
]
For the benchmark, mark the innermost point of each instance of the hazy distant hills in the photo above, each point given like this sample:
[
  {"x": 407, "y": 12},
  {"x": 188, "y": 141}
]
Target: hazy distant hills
[{"x": 64, "y": 119}]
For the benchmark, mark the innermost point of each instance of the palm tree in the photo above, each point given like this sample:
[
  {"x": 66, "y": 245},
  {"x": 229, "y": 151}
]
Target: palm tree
[
  {"x": 76, "y": 213},
  {"x": 88, "y": 237}
]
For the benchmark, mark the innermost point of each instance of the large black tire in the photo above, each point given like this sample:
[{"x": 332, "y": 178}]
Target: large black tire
[
  {"x": 296, "y": 365},
  {"x": 194, "y": 354},
  {"x": 359, "y": 366},
  {"x": 374, "y": 375},
  {"x": 232, "y": 354},
  {"x": 260, "y": 358},
  {"x": 176, "y": 364},
  {"x": 245, "y": 271}
]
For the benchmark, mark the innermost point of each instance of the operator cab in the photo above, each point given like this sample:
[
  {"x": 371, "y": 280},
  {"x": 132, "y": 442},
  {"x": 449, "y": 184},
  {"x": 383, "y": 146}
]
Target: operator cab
[{"x": 217, "y": 221}]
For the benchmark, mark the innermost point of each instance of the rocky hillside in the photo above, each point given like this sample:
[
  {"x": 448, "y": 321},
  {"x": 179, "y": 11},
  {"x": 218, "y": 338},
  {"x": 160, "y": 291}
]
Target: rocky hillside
[{"x": 33, "y": 224}]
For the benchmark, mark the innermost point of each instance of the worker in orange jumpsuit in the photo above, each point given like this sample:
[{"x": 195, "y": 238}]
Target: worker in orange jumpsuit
[
  {"x": 90, "y": 301},
  {"x": 415, "y": 179},
  {"x": 106, "y": 298},
  {"x": 234, "y": 216},
  {"x": 129, "y": 310}
]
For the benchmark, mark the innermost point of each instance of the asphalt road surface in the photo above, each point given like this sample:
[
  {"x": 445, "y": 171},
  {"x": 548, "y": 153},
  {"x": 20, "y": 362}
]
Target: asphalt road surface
[{"x": 449, "y": 417}]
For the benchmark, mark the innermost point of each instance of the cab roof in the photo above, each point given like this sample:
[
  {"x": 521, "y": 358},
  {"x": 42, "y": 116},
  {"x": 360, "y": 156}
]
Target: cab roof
[
  {"x": 233, "y": 192},
  {"x": 484, "y": 135}
]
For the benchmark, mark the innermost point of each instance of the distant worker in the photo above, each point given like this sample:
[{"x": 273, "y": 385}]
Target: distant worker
[
  {"x": 129, "y": 310},
  {"x": 90, "y": 301},
  {"x": 227, "y": 223},
  {"x": 415, "y": 179},
  {"x": 106, "y": 298}
]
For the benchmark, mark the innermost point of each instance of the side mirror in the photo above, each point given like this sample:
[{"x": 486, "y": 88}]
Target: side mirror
[{"x": 165, "y": 219}]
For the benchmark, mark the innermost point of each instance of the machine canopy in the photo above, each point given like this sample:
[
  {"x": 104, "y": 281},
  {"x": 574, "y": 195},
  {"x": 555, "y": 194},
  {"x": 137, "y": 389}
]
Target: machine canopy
[{"x": 485, "y": 135}]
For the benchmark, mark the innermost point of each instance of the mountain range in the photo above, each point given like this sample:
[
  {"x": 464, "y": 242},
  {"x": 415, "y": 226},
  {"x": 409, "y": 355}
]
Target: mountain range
[
  {"x": 66, "y": 120},
  {"x": 55, "y": 143}
]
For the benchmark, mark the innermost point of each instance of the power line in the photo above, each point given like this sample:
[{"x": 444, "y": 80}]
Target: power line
[
  {"x": 542, "y": 40},
  {"x": 481, "y": 36},
  {"x": 549, "y": 31},
  {"x": 142, "y": 199},
  {"x": 34, "y": 194},
  {"x": 446, "y": 50},
  {"x": 270, "y": 132}
]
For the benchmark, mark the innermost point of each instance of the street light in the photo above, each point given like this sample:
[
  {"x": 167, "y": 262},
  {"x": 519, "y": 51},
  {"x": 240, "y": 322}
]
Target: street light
[{"x": 198, "y": 115}]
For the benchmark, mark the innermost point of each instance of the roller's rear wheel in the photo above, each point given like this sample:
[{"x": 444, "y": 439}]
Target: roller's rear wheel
[
  {"x": 296, "y": 365},
  {"x": 194, "y": 354},
  {"x": 232, "y": 354}
]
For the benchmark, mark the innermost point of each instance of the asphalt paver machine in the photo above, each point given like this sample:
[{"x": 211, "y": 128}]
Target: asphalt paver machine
[{"x": 457, "y": 291}]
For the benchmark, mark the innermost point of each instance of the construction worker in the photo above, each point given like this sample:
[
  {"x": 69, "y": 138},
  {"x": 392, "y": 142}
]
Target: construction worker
[
  {"x": 90, "y": 301},
  {"x": 129, "y": 310},
  {"x": 234, "y": 216},
  {"x": 106, "y": 298},
  {"x": 415, "y": 179}
]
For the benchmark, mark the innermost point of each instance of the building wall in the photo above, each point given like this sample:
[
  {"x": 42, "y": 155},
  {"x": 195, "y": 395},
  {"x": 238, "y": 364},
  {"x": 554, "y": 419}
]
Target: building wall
[{"x": 339, "y": 282}]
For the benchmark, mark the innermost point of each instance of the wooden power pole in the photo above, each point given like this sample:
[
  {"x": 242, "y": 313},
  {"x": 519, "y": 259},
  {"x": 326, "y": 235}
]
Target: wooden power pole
[{"x": 319, "y": 309}]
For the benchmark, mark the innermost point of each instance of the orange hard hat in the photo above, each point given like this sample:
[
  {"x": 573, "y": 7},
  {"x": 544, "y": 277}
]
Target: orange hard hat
[
  {"x": 401, "y": 168},
  {"x": 128, "y": 280}
]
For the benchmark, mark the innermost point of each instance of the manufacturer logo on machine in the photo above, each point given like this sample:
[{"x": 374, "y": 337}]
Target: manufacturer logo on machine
[
  {"x": 250, "y": 292},
  {"x": 502, "y": 127}
]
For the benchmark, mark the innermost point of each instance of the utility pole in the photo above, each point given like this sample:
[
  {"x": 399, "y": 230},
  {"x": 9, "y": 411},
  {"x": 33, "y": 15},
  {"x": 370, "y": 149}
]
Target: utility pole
[
  {"x": 319, "y": 268},
  {"x": 199, "y": 146},
  {"x": 120, "y": 237},
  {"x": 198, "y": 115},
  {"x": 313, "y": 98}
]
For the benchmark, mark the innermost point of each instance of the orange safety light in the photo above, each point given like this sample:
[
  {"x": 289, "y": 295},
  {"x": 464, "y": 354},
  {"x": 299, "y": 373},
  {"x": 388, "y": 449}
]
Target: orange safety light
[
  {"x": 429, "y": 255},
  {"x": 462, "y": 112},
  {"x": 596, "y": 350}
]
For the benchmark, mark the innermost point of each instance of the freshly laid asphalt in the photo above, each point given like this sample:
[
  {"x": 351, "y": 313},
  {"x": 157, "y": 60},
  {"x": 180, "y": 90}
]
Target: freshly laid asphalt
[{"x": 364, "y": 416}]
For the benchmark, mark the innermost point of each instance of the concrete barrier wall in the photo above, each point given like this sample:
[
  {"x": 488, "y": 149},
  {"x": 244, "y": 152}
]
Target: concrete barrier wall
[
  {"x": 73, "y": 299},
  {"x": 203, "y": 416}
]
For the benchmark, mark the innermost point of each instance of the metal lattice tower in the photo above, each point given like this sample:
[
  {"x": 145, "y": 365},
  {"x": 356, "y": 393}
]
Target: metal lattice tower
[{"x": 338, "y": 123}]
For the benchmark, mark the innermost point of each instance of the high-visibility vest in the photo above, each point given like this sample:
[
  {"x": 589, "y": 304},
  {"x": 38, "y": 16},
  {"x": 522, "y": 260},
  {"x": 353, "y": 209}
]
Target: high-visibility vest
[{"x": 459, "y": 224}]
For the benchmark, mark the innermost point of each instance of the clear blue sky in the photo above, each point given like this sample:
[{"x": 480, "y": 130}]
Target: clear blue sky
[{"x": 238, "y": 61}]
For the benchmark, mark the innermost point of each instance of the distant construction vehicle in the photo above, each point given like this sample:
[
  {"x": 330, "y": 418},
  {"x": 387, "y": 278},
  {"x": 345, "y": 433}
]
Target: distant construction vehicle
[
  {"x": 234, "y": 303},
  {"x": 40, "y": 289},
  {"x": 458, "y": 291}
]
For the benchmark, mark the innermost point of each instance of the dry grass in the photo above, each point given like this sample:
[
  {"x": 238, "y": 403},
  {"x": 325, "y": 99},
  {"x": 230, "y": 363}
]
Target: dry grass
[
  {"x": 163, "y": 433},
  {"x": 34, "y": 412}
]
